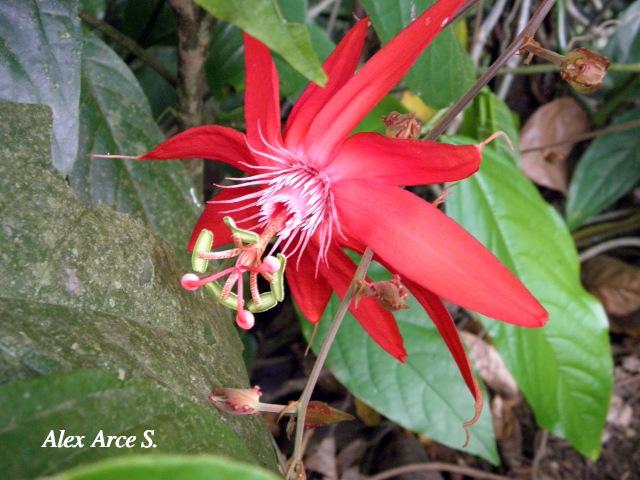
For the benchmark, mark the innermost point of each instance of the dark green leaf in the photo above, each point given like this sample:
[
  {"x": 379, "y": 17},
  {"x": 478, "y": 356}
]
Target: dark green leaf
[
  {"x": 165, "y": 467},
  {"x": 444, "y": 71},
  {"x": 624, "y": 44},
  {"x": 89, "y": 288},
  {"x": 40, "y": 45},
  {"x": 426, "y": 395},
  {"x": 564, "y": 369},
  {"x": 160, "y": 93},
  {"x": 609, "y": 168},
  {"x": 225, "y": 64},
  {"x": 263, "y": 20},
  {"x": 115, "y": 118}
]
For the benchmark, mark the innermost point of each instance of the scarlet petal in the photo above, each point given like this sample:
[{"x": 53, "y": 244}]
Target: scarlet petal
[
  {"x": 366, "y": 88},
  {"x": 375, "y": 320},
  {"x": 371, "y": 156},
  {"x": 339, "y": 67},
  {"x": 424, "y": 245},
  {"x": 449, "y": 333},
  {"x": 211, "y": 142},
  {"x": 211, "y": 217},
  {"x": 262, "y": 94},
  {"x": 310, "y": 293}
]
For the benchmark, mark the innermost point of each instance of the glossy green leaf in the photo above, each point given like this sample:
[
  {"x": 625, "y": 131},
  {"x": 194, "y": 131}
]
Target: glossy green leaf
[
  {"x": 169, "y": 467},
  {"x": 608, "y": 169},
  {"x": 90, "y": 288},
  {"x": 263, "y": 20},
  {"x": 40, "y": 46},
  {"x": 426, "y": 395},
  {"x": 565, "y": 368},
  {"x": 115, "y": 118},
  {"x": 444, "y": 71}
]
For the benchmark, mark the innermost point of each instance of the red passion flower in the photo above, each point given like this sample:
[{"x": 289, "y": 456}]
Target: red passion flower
[{"x": 317, "y": 189}]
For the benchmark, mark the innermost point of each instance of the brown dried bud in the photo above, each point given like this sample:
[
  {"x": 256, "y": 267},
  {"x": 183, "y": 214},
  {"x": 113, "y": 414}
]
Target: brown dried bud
[
  {"x": 239, "y": 401},
  {"x": 391, "y": 294},
  {"x": 584, "y": 70},
  {"x": 401, "y": 125}
]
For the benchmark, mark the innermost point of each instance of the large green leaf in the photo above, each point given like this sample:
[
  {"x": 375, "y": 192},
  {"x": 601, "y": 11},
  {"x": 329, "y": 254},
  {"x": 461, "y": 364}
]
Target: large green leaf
[
  {"x": 444, "y": 71},
  {"x": 426, "y": 395},
  {"x": 263, "y": 20},
  {"x": 168, "y": 467},
  {"x": 608, "y": 169},
  {"x": 225, "y": 65},
  {"x": 40, "y": 47},
  {"x": 89, "y": 288},
  {"x": 565, "y": 368},
  {"x": 115, "y": 118}
]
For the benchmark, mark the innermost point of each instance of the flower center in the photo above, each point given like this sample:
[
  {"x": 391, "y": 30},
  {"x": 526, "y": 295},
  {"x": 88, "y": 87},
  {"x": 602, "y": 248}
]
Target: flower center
[{"x": 304, "y": 194}]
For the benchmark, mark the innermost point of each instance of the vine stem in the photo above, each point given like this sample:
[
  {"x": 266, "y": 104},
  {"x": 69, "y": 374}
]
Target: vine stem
[
  {"x": 296, "y": 468},
  {"x": 303, "y": 403},
  {"x": 528, "y": 32}
]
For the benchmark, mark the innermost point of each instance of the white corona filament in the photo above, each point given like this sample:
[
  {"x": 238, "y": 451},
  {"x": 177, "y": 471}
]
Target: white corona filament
[{"x": 301, "y": 190}]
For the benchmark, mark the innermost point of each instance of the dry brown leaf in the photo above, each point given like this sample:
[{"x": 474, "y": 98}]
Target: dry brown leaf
[
  {"x": 555, "y": 121},
  {"x": 368, "y": 415},
  {"x": 614, "y": 282},
  {"x": 490, "y": 366}
]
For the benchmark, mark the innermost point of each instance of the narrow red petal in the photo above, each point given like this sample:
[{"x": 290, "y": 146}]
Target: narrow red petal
[
  {"x": 371, "y": 156},
  {"x": 213, "y": 213},
  {"x": 424, "y": 245},
  {"x": 449, "y": 333},
  {"x": 367, "y": 87},
  {"x": 311, "y": 293},
  {"x": 262, "y": 95},
  {"x": 211, "y": 142},
  {"x": 375, "y": 320},
  {"x": 339, "y": 67}
]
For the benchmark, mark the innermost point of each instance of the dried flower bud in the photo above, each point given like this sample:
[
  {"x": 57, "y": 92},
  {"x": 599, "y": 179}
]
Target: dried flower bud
[
  {"x": 584, "y": 70},
  {"x": 239, "y": 401},
  {"x": 391, "y": 294},
  {"x": 402, "y": 125}
]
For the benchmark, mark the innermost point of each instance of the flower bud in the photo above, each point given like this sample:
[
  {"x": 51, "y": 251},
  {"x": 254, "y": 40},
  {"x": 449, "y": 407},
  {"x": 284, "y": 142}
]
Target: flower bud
[
  {"x": 391, "y": 294},
  {"x": 584, "y": 70},
  {"x": 402, "y": 125},
  {"x": 239, "y": 401}
]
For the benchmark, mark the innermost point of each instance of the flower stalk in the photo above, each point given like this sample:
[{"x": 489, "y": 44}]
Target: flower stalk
[{"x": 361, "y": 271}]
